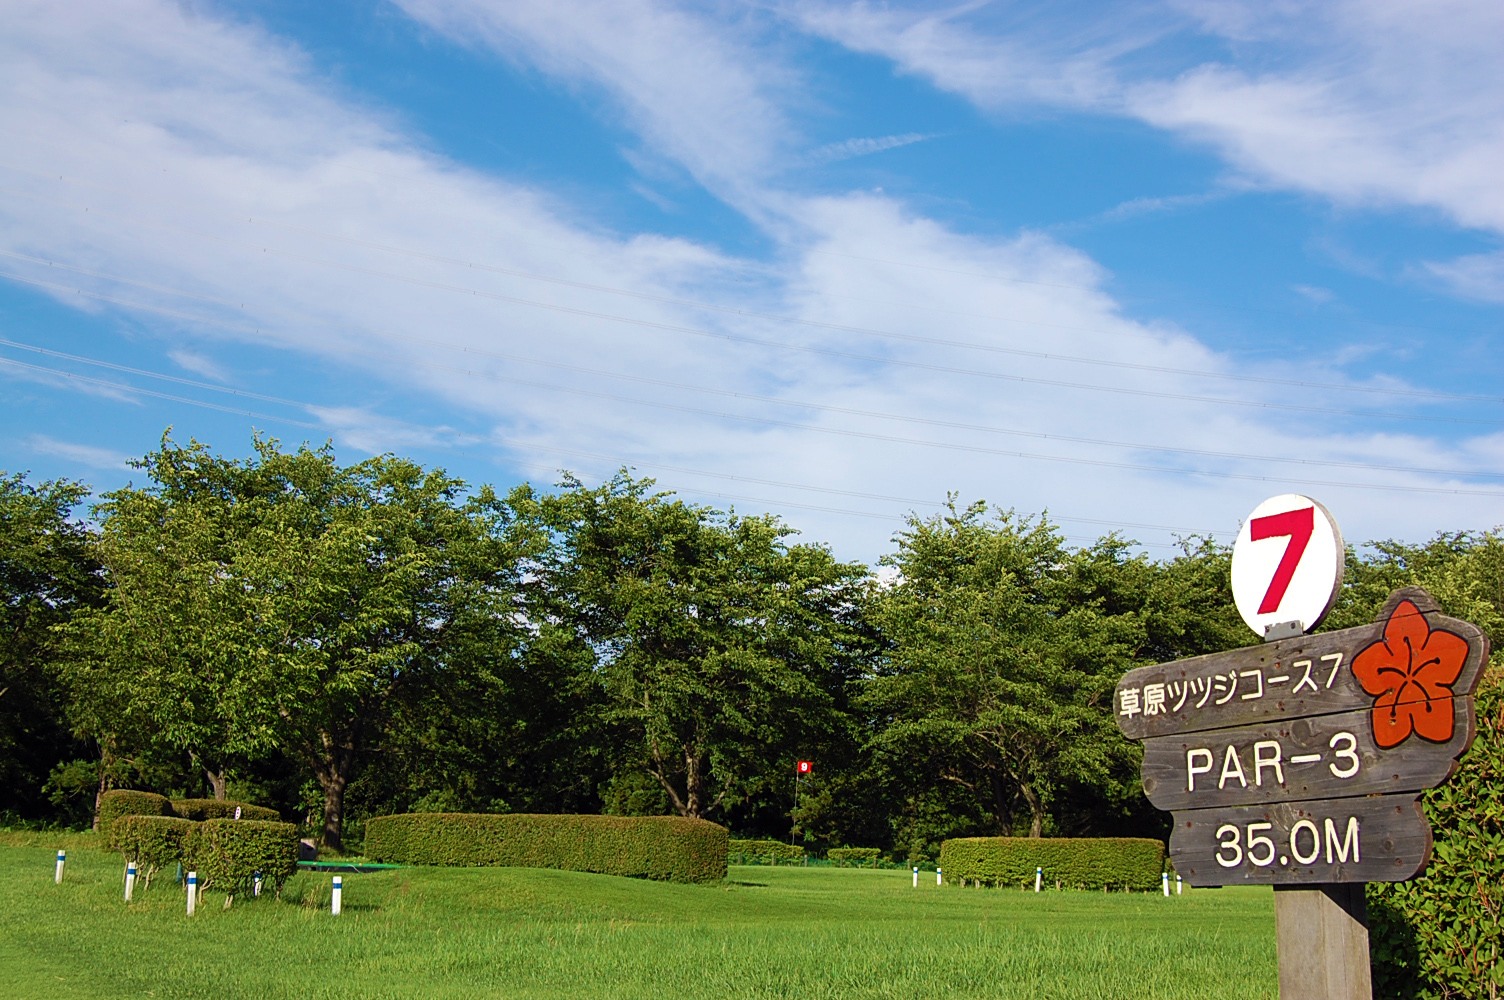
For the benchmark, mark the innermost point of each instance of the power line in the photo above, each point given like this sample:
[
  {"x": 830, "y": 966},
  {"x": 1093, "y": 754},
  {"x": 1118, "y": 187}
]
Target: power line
[
  {"x": 1216, "y": 400},
  {"x": 1008, "y": 279},
  {"x": 909, "y": 441},
  {"x": 124, "y": 387},
  {"x": 866, "y": 331},
  {"x": 1039, "y": 435}
]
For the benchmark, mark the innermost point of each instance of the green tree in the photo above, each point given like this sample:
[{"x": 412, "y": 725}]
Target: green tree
[
  {"x": 1000, "y": 670},
  {"x": 289, "y": 602},
  {"x": 47, "y": 574},
  {"x": 721, "y": 649}
]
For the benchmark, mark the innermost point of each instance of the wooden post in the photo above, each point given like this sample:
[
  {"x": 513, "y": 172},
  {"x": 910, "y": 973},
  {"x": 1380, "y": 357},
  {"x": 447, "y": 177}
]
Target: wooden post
[{"x": 1322, "y": 935}]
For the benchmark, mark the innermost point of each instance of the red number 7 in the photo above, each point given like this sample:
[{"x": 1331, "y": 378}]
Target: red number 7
[{"x": 1297, "y": 525}]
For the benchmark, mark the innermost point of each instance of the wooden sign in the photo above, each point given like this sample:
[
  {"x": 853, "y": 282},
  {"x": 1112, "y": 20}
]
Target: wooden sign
[
  {"x": 1381, "y": 839},
  {"x": 1309, "y": 674},
  {"x": 1345, "y": 726}
]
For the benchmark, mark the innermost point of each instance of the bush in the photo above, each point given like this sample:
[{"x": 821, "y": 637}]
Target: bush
[
  {"x": 858, "y": 856},
  {"x": 1087, "y": 863},
  {"x": 119, "y": 802},
  {"x": 152, "y": 842},
  {"x": 1442, "y": 934},
  {"x": 202, "y": 809},
  {"x": 227, "y": 853},
  {"x": 767, "y": 850},
  {"x": 657, "y": 847}
]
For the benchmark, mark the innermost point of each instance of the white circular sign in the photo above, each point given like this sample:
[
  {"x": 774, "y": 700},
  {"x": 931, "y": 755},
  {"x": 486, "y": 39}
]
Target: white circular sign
[{"x": 1287, "y": 563}]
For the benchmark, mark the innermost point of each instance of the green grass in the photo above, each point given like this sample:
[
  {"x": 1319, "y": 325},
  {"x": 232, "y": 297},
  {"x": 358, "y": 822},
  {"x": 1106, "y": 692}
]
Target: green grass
[{"x": 512, "y": 932}]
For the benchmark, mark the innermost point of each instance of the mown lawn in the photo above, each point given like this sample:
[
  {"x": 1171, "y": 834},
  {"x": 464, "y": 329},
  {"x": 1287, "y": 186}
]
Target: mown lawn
[{"x": 509, "y": 932}]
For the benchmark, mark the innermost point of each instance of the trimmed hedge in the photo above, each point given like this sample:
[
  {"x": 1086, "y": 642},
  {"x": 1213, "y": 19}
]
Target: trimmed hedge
[
  {"x": 152, "y": 842},
  {"x": 1087, "y": 863},
  {"x": 203, "y": 809},
  {"x": 859, "y": 856},
  {"x": 669, "y": 848},
  {"x": 765, "y": 849},
  {"x": 119, "y": 802},
  {"x": 227, "y": 853}
]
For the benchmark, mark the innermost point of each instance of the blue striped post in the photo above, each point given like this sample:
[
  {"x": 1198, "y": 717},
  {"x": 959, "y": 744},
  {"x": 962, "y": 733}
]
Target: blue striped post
[
  {"x": 339, "y": 885},
  {"x": 130, "y": 879},
  {"x": 916, "y": 877},
  {"x": 256, "y": 885},
  {"x": 938, "y": 880},
  {"x": 61, "y": 857},
  {"x": 192, "y": 891},
  {"x": 1164, "y": 878},
  {"x": 1038, "y": 878},
  {"x": 1179, "y": 886}
]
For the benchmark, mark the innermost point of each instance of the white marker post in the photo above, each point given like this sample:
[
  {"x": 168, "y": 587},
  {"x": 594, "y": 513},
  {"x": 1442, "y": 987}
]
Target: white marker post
[
  {"x": 338, "y": 890},
  {"x": 130, "y": 879},
  {"x": 256, "y": 885},
  {"x": 916, "y": 877},
  {"x": 938, "y": 880},
  {"x": 1179, "y": 886},
  {"x": 1038, "y": 878},
  {"x": 192, "y": 892},
  {"x": 61, "y": 857},
  {"x": 1164, "y": 878}
]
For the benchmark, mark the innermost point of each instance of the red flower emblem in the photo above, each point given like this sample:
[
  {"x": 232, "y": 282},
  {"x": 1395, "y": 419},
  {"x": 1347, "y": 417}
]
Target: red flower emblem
[{"x": 1411, "y": 672}]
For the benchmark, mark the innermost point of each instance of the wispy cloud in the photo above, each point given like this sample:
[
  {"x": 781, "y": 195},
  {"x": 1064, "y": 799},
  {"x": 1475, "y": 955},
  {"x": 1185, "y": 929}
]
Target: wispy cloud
[
  {"x": 83, "y": 454},
  {"x": 850, "y": 148},
  {"x": 198, "y": 364}
]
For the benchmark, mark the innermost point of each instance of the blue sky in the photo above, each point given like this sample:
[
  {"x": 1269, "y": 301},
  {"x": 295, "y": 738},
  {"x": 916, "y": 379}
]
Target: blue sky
[{"x": 1141, "y": 265}]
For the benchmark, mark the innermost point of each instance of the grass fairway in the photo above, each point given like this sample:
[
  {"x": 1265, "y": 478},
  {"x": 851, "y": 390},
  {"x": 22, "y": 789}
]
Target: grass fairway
[{"x": 512, "y": 932}]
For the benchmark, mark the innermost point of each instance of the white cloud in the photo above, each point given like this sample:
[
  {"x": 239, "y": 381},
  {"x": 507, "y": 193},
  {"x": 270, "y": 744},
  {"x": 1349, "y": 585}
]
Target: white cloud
[
  {"x": 83, "y": 454},
  {"x": 850, "y": 148},
  {"x": 197, "y": 363},
  {"x": 204, "y": 157},
  {"x": 1476, "y": 276}
]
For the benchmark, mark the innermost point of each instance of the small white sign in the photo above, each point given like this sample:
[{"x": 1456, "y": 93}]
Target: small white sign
[{"x": 1287, "y": 563}]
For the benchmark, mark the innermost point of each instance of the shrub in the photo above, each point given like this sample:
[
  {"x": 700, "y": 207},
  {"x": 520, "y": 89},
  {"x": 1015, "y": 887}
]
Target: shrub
[
  {"x": 1442, "y": 935},
  {"x": 859, "y": 856},
  {"x": 773, "y": 850},
  {"x": 657, "y": 847},
  {"x": 119, "y": 802},
  {"x": 152, "y": 842},
  {"x": 202, "y": 809},
  {"x": 227, "y": 853},
  {"x": 1088, "y": 863}
]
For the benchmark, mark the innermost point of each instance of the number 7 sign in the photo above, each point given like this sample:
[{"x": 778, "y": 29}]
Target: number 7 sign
[{"x": 1287, "y": 563}]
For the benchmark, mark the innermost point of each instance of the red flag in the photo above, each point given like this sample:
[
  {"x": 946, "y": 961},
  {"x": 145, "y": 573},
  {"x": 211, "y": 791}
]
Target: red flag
[{"x": 804, "y": 767}]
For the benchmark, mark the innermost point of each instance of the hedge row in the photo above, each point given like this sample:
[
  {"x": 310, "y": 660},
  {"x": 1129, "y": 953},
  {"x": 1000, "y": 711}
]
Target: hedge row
[
  {"x": 204, "y": 809},
  {"x": 227, "y": 853},
  {"x": 1088, "y": 863},
  {"x": 118, "y": 802},
  {"x": 668, "y": 848},
  {"x": 765, "y": 849},
  {"x": 853, "y": 853},
  {"x": 152, "y": 842}
]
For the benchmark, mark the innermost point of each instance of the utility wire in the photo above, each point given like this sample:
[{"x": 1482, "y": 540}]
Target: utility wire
[
  {"x": 920, "y": 443},
  {"x": 866, "y": 331}
]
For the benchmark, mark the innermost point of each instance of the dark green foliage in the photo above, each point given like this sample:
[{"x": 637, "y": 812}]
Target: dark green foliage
[
  {"x": 152, "y": 842},
  {"x": 202, "y": 809},
  {"x": 227, "y": 853},
  {"x": 47, "y": 573},
  {"x": 1441, "y": 936},
  {"x": 857, "y": 857},
  {"x": 765, "y": 848},
  {"x": 119, "y": 802},
  {"x": 1076, "y": 862},
  {"x": 668, "y": 848}
]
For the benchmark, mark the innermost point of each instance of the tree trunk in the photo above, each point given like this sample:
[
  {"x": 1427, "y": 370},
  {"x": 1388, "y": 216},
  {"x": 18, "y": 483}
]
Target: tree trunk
[
  {"x": 334, "y": 809},
  {"x": 217, "y": 781},
  {"x": 694, "y": 786},
  {"x": 1036, "y": 810},
  {"x": 104, "y": 779}
]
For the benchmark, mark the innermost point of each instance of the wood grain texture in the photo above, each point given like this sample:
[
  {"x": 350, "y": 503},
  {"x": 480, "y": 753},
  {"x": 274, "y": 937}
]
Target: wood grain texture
[
  {"x": 1378, "y": 839},
  {"x": 1288, "y": 679},
  {"x": 1267, "y": 764}
]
